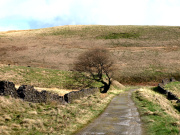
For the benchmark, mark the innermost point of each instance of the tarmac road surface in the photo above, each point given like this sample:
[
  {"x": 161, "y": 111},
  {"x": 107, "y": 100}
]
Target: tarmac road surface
[{"x": 119, "y": 118}]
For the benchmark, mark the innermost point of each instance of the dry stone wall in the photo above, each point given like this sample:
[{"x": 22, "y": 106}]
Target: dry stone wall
[
  {"x": 169, "y": 94},
  {"x": 70, "y": 97},
  {"x": 28, "y": 93},
  {"x": 8, "y": 89}
]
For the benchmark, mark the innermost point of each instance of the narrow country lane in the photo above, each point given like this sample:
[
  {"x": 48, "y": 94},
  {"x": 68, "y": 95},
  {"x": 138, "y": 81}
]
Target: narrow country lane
[{"x": 119, "y": 118}]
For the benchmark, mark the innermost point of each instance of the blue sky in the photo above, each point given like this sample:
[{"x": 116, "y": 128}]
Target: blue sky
[{"x": 34, "y": 14}]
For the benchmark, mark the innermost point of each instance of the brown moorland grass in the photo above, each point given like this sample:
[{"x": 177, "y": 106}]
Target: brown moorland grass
[{"x": 144, "y": 54}]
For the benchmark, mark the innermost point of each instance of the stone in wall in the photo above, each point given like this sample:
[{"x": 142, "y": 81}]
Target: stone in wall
[
  {"x": 161, "y": 88},
  {"x": 172, "y": 79},
  {"x": 70, "y": 97},
  {"x": 50, "y": 97},
  {"x": 8, "y": 89},
  {"x": 171, "y": 96},
  {"x": 28, "y": 93},
  {"x": 165, "y": 81}
]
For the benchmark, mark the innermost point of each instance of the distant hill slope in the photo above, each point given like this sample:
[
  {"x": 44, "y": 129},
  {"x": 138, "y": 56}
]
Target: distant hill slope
[{"x": 149, "y": 52}]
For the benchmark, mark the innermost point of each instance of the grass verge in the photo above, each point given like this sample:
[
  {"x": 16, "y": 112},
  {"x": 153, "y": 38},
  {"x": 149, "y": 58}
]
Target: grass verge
[
  {"x": 18, "y": 117},
  {"x": 157, "y": 113}
]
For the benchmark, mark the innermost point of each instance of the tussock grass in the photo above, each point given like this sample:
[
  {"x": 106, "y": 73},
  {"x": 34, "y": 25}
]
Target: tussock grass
[
  {"x": 157, "y": 113},
  {"x": 19, "y": 117}
]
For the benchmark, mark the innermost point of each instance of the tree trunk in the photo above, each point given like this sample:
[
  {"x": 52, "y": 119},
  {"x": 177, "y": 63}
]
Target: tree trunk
[{"x": 105, "y": 87}]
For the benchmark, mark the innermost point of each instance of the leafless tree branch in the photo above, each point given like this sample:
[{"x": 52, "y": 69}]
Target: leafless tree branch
[{"x": 96, "y": 65}]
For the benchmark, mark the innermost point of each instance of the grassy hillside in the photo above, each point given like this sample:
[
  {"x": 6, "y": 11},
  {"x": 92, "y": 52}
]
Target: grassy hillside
[
  {"x": 40, "y": 77},
  {"x": 144, "y": 54},
  {"x": 159, "y": 115},
  {"x": 44, "y": 57}
]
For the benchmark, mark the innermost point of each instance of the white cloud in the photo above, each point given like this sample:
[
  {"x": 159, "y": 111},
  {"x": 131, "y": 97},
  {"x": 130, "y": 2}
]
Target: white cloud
[
  {"x": 169, "y": 15},
  {"x": 42, "y": 11},
  {"x": 163, "y": 12},
  {"x": 122, "y": 12},
  {"x": 6, "y": 28},
  {"x": 111, "y": 12}
]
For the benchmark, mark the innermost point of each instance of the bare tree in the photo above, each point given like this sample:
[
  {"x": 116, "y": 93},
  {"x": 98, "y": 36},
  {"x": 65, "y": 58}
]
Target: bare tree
[{"x": 95, "y": 65}]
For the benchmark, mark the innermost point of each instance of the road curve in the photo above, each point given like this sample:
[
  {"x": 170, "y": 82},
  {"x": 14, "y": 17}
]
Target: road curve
[{"x": 119, "y": 118}]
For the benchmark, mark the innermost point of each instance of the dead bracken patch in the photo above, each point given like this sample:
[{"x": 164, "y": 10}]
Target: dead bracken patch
[{"x": 15, "y": 48}]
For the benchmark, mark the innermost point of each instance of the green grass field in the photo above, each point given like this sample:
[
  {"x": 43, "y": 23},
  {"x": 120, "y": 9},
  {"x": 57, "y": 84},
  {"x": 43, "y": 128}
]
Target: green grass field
[{"x": 39, "y": 77}]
